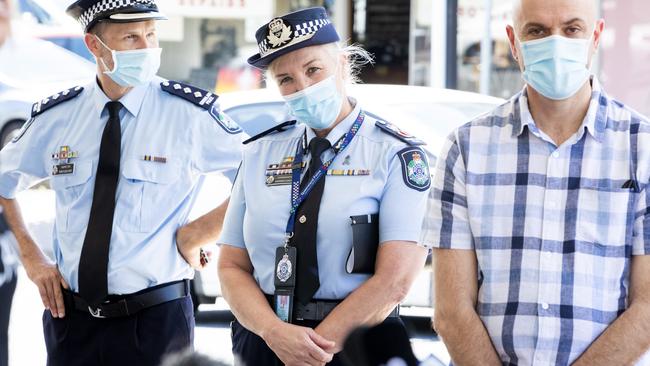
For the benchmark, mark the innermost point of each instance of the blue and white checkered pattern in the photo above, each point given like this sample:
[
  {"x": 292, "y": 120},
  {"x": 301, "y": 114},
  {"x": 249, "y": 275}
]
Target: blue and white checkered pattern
[
  {"x": 310, "y": 27},
  {"x": 554, "y": 228},
  {"x": 303, "y": 32},
  {"x": 107, "y": 5}
]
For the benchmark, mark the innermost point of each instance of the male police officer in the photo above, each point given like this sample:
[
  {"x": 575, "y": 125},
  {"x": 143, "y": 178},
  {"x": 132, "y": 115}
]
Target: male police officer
[{"x": 124, "y": 155}]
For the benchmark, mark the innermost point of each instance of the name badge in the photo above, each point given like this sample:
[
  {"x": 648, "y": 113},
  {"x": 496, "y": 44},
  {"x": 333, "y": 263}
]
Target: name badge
[{"x": 62, "y": 169}]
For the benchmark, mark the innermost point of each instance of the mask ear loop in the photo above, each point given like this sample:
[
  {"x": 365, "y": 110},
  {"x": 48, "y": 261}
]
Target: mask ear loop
[{"x": 108, "y": 71}]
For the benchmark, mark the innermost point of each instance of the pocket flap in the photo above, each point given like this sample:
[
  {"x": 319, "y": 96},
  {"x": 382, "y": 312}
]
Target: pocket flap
[{"x": 160, "y": 173}]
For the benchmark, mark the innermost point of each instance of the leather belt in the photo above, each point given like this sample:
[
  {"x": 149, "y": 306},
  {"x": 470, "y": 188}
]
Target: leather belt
[
  {"x": 126, "y": 305},
  {"x": 318, "y": 310}
]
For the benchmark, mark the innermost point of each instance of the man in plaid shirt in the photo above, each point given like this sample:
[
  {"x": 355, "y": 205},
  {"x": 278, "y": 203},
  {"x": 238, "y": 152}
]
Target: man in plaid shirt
[{"x": 539, "y": 214}]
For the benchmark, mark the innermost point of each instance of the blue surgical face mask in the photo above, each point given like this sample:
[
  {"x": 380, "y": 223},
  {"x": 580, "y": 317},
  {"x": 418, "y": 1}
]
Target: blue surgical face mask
[
  {"x": 318, "y": 105},
  {"x": 133, "y": 67},
  {"x": 555, "y": 66}
]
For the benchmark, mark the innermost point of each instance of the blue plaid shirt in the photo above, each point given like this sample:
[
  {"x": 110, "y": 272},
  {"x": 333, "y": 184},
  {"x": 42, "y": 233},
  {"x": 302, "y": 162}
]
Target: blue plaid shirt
[{"x": 553, "y": 227}]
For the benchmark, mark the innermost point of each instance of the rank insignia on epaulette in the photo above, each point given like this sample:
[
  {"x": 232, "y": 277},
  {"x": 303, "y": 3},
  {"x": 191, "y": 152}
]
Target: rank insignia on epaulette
[
  {"x": 53, "y": 100},
  {"x": 45, "y": 104},
  {"x": 393, "y": 130},
  {"x": 196, "y": 96}
]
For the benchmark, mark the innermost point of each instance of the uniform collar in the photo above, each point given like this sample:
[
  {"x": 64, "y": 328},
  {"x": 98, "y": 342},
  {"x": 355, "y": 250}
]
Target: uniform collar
[
  {"x": 594, "y": 122},
  {"x": 340, "y": 129},
  {"x": 132, "y": 101}
]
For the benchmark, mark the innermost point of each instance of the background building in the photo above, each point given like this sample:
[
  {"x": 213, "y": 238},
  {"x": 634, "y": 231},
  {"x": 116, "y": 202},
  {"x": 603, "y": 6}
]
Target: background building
[{"x": 418, "y": 42}]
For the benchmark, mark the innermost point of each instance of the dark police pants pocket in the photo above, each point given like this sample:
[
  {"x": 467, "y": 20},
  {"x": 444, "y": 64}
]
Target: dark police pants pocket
[{"x": 55, "y": 330}]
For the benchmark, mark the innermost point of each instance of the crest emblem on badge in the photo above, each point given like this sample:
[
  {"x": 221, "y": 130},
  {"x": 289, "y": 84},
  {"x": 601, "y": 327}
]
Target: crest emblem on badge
[
  {"x": 283, "y": 271},
  {"x": 415, "y": 168},
  {"x": 279, "y": 33}
]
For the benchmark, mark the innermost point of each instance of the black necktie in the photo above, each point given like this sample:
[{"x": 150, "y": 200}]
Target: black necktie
[
  {"x": 306, "y": 226},
  {"x": 93, "y": 264}
]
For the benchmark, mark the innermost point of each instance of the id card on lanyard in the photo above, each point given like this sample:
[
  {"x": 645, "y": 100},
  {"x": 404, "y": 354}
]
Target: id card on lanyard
[{"x": 286, "y": 255}]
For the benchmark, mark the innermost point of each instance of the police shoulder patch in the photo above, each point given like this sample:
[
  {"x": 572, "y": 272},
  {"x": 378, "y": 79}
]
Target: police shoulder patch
[
  {"x": 56, "y": 99},
  {"x": 395, "y": 131},
  {"x": 224, "y": 121},
  {"x": 415, "y": 168},
  {"x": 202, "y": 99},
  {"x": 279, "y": 128},
  {"x": 199, "y": 97}
]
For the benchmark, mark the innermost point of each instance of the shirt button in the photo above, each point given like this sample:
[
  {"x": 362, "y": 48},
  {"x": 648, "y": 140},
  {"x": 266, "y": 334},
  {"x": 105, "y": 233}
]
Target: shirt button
[
  {"x": 302, "y": 219},
  {"x": 556, "y": 154},
  {"x": 544, "y": 306}
]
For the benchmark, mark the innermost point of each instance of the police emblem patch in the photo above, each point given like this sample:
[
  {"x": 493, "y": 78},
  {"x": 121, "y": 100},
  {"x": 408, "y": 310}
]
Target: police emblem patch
[
  {"x": 415, "y": 168},
  {"x": 224, "y": 121},
  {"x": 279, "y": 33},
  {"x": 283, "y": 271}
]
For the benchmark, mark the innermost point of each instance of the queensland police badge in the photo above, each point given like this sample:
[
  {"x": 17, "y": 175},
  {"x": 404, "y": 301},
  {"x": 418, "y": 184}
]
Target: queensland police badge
[
  {"x": 415, "y": 168},
  {"x": 283, "y": 270}
]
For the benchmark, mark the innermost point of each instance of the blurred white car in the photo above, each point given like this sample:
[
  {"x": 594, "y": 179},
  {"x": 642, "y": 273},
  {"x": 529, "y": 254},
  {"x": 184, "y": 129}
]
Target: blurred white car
[
  {"x": 430, "y": 114},
  {"x": 30, "y": 70}
]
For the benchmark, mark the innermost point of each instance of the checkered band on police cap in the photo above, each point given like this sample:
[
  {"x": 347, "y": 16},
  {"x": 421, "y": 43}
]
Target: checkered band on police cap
[
  {"x": 89, "y": 12},
  {"x": 303, "y": 28}
]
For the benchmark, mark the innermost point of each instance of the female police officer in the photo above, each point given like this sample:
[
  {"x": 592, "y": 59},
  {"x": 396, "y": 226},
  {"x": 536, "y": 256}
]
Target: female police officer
[{"x": 312, "y": 204}]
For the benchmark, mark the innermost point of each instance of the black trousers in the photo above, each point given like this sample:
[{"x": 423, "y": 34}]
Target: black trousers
[
  {"x": 140, "y": 339},
  {"x": 6, "y": 297},
  {"x": 251, "y": 350}
]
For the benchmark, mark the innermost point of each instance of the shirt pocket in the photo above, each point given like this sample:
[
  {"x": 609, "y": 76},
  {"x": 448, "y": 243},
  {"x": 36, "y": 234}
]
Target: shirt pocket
[
  {"x": 69, "y": 189},
  {"x": 605, "y": 216},
  {"x": 146, "y": 194}
]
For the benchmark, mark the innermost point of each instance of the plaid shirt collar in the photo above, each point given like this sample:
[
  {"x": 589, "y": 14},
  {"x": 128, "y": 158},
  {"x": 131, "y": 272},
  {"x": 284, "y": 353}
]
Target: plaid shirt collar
[{"x": 594, "y": 122}]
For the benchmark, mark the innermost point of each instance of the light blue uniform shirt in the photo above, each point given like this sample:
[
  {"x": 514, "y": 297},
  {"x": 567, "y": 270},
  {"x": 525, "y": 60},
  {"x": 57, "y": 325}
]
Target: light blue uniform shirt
[
  {"x": 153, "y": 197},
  {"x": 257, "y": 216}
]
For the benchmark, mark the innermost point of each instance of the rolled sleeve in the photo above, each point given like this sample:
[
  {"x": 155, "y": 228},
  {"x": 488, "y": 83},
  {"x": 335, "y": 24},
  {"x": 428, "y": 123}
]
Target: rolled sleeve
[{"x": 446, "y": 225}]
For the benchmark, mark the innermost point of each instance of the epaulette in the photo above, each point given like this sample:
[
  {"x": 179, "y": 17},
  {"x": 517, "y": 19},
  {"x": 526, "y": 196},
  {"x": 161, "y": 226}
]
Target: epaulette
[
  {"x": 194, "y": 95},
  {"x": 279, "y": 128},
  {"x": 56, "y": 99},
  {"x": 395, "y": 131},
  {"x": 203, "y": 99}
]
